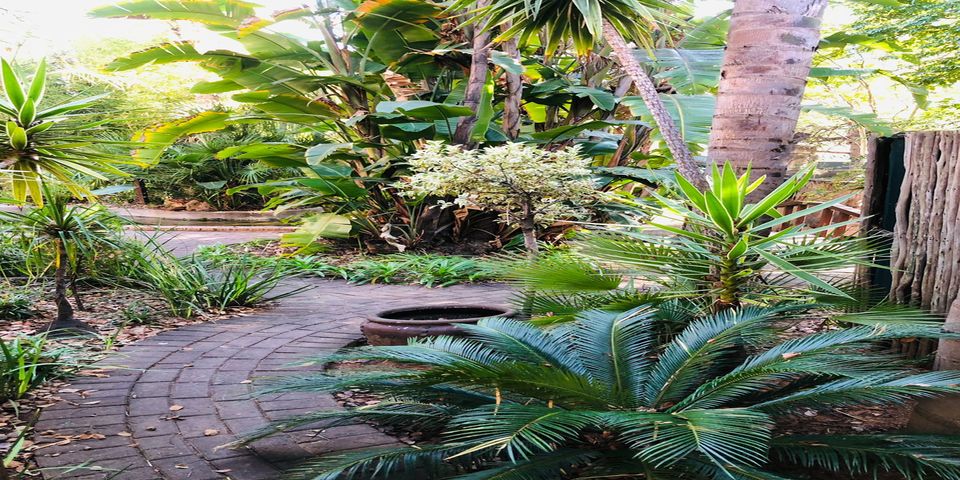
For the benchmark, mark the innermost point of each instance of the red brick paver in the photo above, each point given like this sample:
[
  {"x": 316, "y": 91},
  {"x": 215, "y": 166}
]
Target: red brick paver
[{"x": 162, "y": 398}]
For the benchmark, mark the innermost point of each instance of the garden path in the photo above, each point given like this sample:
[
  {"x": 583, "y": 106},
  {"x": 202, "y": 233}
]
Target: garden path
[{"x": 161, "y": 407}]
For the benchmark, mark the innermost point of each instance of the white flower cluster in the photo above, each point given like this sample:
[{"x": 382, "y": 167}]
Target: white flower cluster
[{"x": 507, "y": 178}]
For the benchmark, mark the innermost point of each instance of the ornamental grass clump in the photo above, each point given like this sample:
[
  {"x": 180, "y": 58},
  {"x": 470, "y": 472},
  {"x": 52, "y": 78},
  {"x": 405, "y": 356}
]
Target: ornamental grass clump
[{"x": 528, "y": 185}]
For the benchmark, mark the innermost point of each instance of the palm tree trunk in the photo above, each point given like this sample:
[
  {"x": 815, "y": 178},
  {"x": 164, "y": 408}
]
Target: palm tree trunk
[
  {"x": 476, "y": 81},
  {"x": 511, "y": 104},
  {"x": 769, "y": 51},
  {"x": 648, "y": 92}
]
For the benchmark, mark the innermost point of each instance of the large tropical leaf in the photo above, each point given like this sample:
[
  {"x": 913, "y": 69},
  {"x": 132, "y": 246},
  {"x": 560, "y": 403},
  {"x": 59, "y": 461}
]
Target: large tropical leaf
[
  {"x": 692, "y": 114},
  {"x": 216, "y": 13}
]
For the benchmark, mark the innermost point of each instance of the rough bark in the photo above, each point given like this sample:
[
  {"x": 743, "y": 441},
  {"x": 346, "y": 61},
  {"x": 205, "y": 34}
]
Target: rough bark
[
  {"x": 941, "y": 416},
  {"x": 765, "y": 68},
  {"x": 925, "y": 259},
  {"x": 925, "y": 256},
  {"x": 479, "y": 66},
  {"x": 511, "y": 104},
  {"x": 648, "y": 92}
]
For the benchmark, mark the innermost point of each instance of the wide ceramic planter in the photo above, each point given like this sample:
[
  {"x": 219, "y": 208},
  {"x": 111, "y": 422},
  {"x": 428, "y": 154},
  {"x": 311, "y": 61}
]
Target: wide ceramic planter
[{"x": 397, "y": 325}]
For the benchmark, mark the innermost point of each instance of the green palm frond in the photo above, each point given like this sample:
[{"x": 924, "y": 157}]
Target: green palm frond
[
  {"x": 520, "y": 341},
  {"x": 616, "y": 349},
  {"x": 518, "y": 431},
  {"x": 422, "y": 416},
  {"x": 564, "y": 273},
  {"x": 582, "y": 21},
  {"x": 696, "y": 350},
  {"x": 877, "y": 389},
  {"x": 725, "y": 436},
  {"x": 383, "y": 463},
  {"x": 913, "y": 457}
]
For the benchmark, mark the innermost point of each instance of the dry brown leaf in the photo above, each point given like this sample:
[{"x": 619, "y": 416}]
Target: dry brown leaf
[
  {"x": 176, "y": 408},
  {"x": 125, "y": 434},
  {"x": 211, "y": 432}
]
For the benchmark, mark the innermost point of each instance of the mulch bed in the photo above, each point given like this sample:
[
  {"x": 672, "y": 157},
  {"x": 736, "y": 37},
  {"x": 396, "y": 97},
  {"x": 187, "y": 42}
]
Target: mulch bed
[{"x": 118, "y": 316}]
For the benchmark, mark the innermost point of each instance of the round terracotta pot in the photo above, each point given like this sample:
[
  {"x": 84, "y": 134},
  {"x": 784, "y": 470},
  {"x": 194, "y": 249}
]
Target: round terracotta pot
[{"x": 395, "y": 326}]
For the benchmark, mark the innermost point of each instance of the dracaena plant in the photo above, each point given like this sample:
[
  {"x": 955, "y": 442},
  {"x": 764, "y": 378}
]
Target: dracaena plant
[
  {"x": 727, "y": 253},
  {"x": 38, "y": 142},
  {"x": 57, "y": 238},
  {"x": 607, "y": 396}
]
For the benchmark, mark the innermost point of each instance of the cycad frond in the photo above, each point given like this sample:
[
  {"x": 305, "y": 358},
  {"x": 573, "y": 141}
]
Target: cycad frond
[
  {"x": 382, "y": 463},
  {"x": 725, "y": 436},
  {"x": 694, "y": 351},
  {"x": 519, "y": 431},
  {"x": 522, "y": 342},
  {"x": 913, "y": 457},
  {"x": 616, "y": 349},
  {"x": 878, "y": 389}
]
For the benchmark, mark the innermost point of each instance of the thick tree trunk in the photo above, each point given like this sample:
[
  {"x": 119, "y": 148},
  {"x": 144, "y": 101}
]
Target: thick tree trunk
[
  {"x": 769, "y": 51},
  {"x": 511, "y": 104},
  {"x": 925, "y": 258},
  {"x": 648, "y": 92},
  {"x": 941, "y": 416},
  {"x": 476, "y": 81}
]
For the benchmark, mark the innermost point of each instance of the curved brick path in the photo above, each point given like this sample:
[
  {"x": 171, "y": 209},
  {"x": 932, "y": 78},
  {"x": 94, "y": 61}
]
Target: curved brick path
[{"x": 206, "y": 369}]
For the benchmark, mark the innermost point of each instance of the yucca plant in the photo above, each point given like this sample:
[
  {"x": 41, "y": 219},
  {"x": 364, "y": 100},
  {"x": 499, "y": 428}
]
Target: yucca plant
[
  {"x": 54, "y": 141},
  {"x": 728, "y": 253},
  {"x": 607, "y": 397}
]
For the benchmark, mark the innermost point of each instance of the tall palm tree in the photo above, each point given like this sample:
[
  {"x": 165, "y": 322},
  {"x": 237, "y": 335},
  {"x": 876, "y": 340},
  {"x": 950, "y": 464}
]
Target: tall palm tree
[
  {"x": 586, "y": 22},
  {"x": 769, "y": 50}
]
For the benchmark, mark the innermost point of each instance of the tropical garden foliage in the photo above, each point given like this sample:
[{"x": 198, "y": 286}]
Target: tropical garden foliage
[{"x": 682, "y": 375}]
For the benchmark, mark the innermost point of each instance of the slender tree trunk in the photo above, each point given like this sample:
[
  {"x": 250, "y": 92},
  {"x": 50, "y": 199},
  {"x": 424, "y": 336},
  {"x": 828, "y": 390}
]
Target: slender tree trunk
[
  {"x": 528, "y": 225},
  {"x": 65, "y": 319},
  {"x": 476, "y": 81},
  {"x": 64, "y": 309},
  {"x": 765, "y": 68},
  {"x": 511, "y": 104},
  {"x": 648, "y": 92}
]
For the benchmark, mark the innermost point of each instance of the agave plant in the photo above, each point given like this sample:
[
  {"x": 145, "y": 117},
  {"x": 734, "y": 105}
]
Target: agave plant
[
  {"x": 52, "y": 141},
  {"x": 607, "y": 397},
  {"x": 729, "y": 253}
]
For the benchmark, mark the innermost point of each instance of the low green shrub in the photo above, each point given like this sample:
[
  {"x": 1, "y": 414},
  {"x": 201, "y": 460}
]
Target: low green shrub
[
  {"x": 423, "y": 269},
  {"x": 431, "y": 270},
  {"x": 25, "y": 363},
  {"x": 311, "y": 265},
  {"x": 15, "y": 303}
]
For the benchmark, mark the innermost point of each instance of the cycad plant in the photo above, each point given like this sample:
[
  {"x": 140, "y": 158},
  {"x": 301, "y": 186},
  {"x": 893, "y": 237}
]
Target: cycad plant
[
  {"x": 606, "y": 396},
  {"x": 53, "y": 141}
]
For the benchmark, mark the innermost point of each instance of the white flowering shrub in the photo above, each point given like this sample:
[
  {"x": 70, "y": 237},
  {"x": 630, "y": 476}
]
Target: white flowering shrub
[{"x": 528, "y": 185}]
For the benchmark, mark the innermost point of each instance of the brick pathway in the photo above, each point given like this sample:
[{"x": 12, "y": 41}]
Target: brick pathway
[{"x": 206, "y": 369}]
